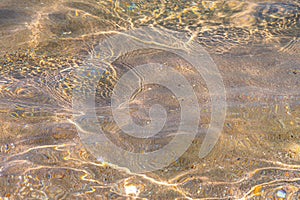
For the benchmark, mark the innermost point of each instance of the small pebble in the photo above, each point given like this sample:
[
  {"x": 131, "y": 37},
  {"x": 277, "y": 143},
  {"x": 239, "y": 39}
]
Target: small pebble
[
  {"x": 131, "y": 189},
  {"x": 281, "y": 194},
  {"x": 257, "y": 190}
]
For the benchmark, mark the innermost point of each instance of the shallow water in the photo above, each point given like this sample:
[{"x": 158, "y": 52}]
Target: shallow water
[{"x": 46, "y": 154}]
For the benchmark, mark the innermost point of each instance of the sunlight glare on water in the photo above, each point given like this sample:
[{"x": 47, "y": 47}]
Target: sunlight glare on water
[{"x": 60, "y": 65}]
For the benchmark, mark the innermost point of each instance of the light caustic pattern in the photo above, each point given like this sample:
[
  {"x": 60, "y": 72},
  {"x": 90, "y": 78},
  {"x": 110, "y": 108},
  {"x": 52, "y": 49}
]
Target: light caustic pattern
[
  {"x": 95, "y": 180},
  {"x": 41, "y": 155},
  {"x": 151, "y": 73}
]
